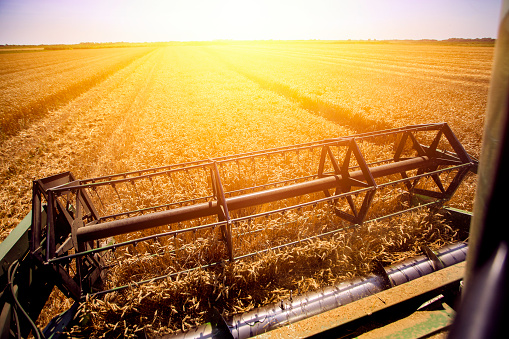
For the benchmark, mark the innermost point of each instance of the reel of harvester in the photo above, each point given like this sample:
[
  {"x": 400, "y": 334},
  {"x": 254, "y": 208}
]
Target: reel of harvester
[{"x": 197, "y": 214}]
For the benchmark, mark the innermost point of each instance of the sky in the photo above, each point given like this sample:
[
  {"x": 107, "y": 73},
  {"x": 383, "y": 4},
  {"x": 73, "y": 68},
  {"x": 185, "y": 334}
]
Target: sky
[{"x": 34, "y": 22}]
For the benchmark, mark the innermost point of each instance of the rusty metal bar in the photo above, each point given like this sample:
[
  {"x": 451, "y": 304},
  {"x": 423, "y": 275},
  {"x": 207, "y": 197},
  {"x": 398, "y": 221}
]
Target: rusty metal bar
[
  {"x": 224, "y": 214},
  {"x": 50, "y": 229}
]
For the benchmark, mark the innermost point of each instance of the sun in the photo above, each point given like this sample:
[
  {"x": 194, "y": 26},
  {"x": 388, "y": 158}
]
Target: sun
[{"x": 209, "y": 20}]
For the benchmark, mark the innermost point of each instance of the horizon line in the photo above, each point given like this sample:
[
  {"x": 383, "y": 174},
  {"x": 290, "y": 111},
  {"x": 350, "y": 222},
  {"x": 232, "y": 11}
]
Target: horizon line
[{"x": 452, "y": 39}]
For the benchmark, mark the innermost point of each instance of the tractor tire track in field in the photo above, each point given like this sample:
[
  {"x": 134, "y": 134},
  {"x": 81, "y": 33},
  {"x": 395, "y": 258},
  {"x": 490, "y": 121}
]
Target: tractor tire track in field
[
  {"x": 21, "y": 117},
  {"x": 121, "y": 134},
  {"x": 87, "y": 130},
  {"x": 334, "y": 113}
]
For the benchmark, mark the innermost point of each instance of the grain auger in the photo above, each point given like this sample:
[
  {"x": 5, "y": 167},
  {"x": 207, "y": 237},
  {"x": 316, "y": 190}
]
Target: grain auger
[{"x": 203, "y": 213}]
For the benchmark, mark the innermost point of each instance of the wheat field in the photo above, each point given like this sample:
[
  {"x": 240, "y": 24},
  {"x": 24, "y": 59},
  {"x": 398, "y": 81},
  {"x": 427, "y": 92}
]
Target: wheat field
[{"x": 104, "y": 111}]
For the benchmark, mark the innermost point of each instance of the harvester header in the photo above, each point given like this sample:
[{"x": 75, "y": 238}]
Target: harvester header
[{"x": 226, "y": 198}]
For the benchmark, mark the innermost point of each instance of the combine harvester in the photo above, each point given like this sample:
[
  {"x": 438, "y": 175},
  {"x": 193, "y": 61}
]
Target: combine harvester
[{"x": 201, "y": 214}]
